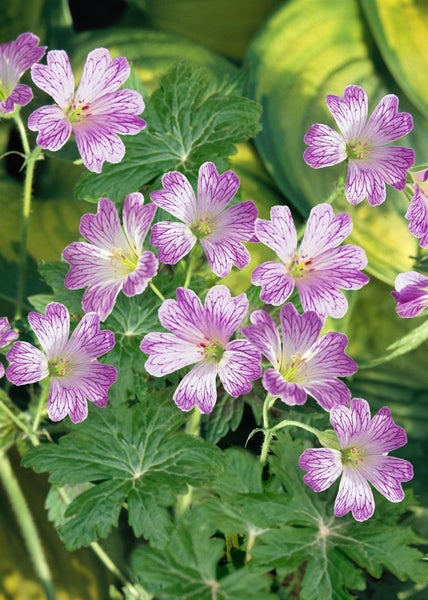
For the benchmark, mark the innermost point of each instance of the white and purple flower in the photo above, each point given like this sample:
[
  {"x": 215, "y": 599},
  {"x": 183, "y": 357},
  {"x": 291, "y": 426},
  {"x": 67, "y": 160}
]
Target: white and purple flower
[
  {"x": 361, "y": 457},
  {"x": 417, "y": 213},
  {"x": 364, "y": 143},
  {"x": 200, "y": 335},
  {"x": 318, "y": 268},
  {"x": 411, "y": 294},
  {"x": 304, "y": 363},
  {"x": 96, "y": 113},
  {"x": 15, "y": 58},
  {"x": 7, "y": 335},
  {"x": 112, "y": 259},
  {"x": 71, "y": 364},
  {"x": 206, "y": 218}
]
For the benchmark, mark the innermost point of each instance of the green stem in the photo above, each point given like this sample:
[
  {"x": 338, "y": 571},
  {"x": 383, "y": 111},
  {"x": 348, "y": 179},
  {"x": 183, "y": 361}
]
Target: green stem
[
  {"x": 27, "y": 525},
  {"x": 190, "y": 266},
  {"x": 44, "y": 392},
  {"x": 28, "y": 432},
  {"x": 287, "y": 423},
  {"x": 156, "y": 291},
  {"x": 268, "y": 403},
  {"x": 31, "y": 158},
  {"x": 193, "y": 427}
]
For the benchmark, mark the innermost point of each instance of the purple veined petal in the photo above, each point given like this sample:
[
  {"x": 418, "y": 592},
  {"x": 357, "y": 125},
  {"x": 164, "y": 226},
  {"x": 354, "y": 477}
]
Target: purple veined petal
[
  {"x": 325, "y": 148},
  {"x": 236, "y": 222},
  {"x": 391, "y": 164},
  {"x": 362, "y": 181},
  {"x": 417, "y": 214},
  {"x": 92, "y": 380},
  {"x": 277, "y": 284},
  {"x": 278, "y": 234},
  {"x": 56, "y": 78},
  {"x": 264, "y": 335},
  {"x": 22, "y": 94},
  {"x": 351, "y": 423},
  {"x": 328, "y": 393},
  {"x": 184, "y": 316},
  {"x": 54, "y": 129},
  {"x": 349, "y": 112},
  {"x": 238, "y": 367},
  {"x": 101, "y": 75},
  {"x": 299, "y": 332},
  {"x": 318, "y": 295},
  {"x": 7, "y": 333},
  {"x": 103, "y": 228},
  {"x": 386, "y": 124},
  {"x": 324, "y": 230},
  {"x": 90, "y": 265},
  {"x": 215, "y": 191},
  {"x": 87, "y": 340},
  {"x": 97, "y": 144},
  {"x": 223, "y": 314},
  {"x": 101, "y": 298},
  {"x": 288, "y": 392},
  {"x": 176, "y": 197},
  {"x": 52, "y": 328},
  {"x": 222, "y": 255},
  {"x": 386, "y": 473},
  {"x": 174, "y": 240},
  {"x": 137, "y": 218},
  {"x": 137, "y": 281},
  {"x": 198, "y": 388},
  {"x": 354, "y": 495},
  {"x": 341, "y": 267},
  {"x": 410, "y": 278},
  {"x": 19, "y": 55},
  {"x": 61, "y": 402},
  {"x": 168, "y": 353},
  {"x": 383, "y": 435},
  {"x": 27, "y": 364},
  {"x": 328, "y": 358},
  {"x": 411, "y": 295},
  {"x": 120, "y": 109},
  {"x": 323, "y": 466}
]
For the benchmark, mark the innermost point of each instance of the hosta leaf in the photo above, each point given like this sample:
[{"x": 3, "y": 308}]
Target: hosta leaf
[
  {"x": 292, "y": 71},
  {"x": 135, "y": 455},
  {"x": 191, "y": 119},
  {"x": 400, "y": 29}
]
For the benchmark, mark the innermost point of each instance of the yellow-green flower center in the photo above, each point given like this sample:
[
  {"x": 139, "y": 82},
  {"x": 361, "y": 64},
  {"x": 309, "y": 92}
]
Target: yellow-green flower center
[
  {"x": 76, "y": 113},
  {"x": 213, "y": 351},
  {"x": 123, "y": 262},
  {"x": 59, "y": 367},
  {"x": 289, "y": 367},
  {"x": 353, "y": 457},
  {"x": 357, "y": 150},
  {"x": 298, "y": 267},
  {"x": 202, "y": 227}
]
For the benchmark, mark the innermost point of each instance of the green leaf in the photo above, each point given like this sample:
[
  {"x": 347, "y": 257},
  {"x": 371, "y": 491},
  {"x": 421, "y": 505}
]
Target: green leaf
[
  {"x": 332, "y": 551},
  {"x": 191, "y": 119},
  {"x": 292, "y": 72},
  {"x": 135, "y": 455},
  {"x": 403, "y": 47},
  {"x": 187, "y": 569}
]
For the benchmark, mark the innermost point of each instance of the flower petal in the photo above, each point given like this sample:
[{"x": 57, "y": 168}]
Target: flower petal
[
  {"x": 54, "y": 129},
  {"x": 326, "y": 147},
  {"x": 328, "y": 393},
  {"x": 177, "y": 197},
  {"x": 198, "y": 388},
  {"x": 87, "y": 340},
  {"x": 168, "y": 353},
  {"x": 173, "y": 239},
  {"x": 288, "y": 392},
  {"x": 278, "y": 234},
  {"x": 276, "y": 283},
  {"x": 387, "y": 474},
  {"x": 56, "y": 78},
  {"x": 101, "y": 75},
  {"x": 223, "y": 313},
  {"x": 264, "y": 335},
  {"x": 386, "y": 124},
  {"x": 27, "y": 364},
  {"x": 97, "y": 143},
  {"x": 299, "y": 332},
  {"x": 215, "y": 191},
  {"x": 324, "y": 230},
  {"x": 137, "y": 218},
  {"x": 349, "y": 112},
  {"x": 184, "y": 316},
  {"x": 323, "y": 466},
  {"x": 52, "y": 328},
  {"x": 354, "y": 495},
  {"x": 239, "y": 366},
  {"x": 138, "y": 280}
]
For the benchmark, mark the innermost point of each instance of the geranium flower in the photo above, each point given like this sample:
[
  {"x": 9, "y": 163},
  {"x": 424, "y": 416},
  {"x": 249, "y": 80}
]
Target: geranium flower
[
  {"x": 417, "y": 213},
  {"x": 7, "y": 335},
  {"x": 200, "y": 335},
  {"x": 411, "y": 294},
  {"x": 96, "y": 113},
  {"x": 361, "y": 457},
  {"x": 15, "y": 58},
  {"x": 371, "y": 162},
  {"x": 304, "y": 363},
  {"x": 318, "y": 268},
  {"x": 113, "y": 258},
  {"x": 220, "y": 230},
  {"x": 75, "y": 375}
]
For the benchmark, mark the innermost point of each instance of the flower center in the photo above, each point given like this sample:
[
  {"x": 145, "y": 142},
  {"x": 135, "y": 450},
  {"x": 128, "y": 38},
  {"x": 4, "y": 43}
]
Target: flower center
[
  {"x": 202, "y": 227},
  {"x": 213, "y": 351},
  {"x": 291, "y": 366},
  {"x": 76, "y": 113},
  {"x": 357, "y": 150},
  {"x": 59, "y": 367},
  {"x": 353, "y": 457},
  {"x": 122, "y": 262},
  {"x": 298, "y": 266}
]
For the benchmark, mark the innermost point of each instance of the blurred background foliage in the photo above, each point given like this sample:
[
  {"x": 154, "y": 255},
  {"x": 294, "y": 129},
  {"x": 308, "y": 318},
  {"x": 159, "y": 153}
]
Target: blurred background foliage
[{"x": 292, "y": 54}]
